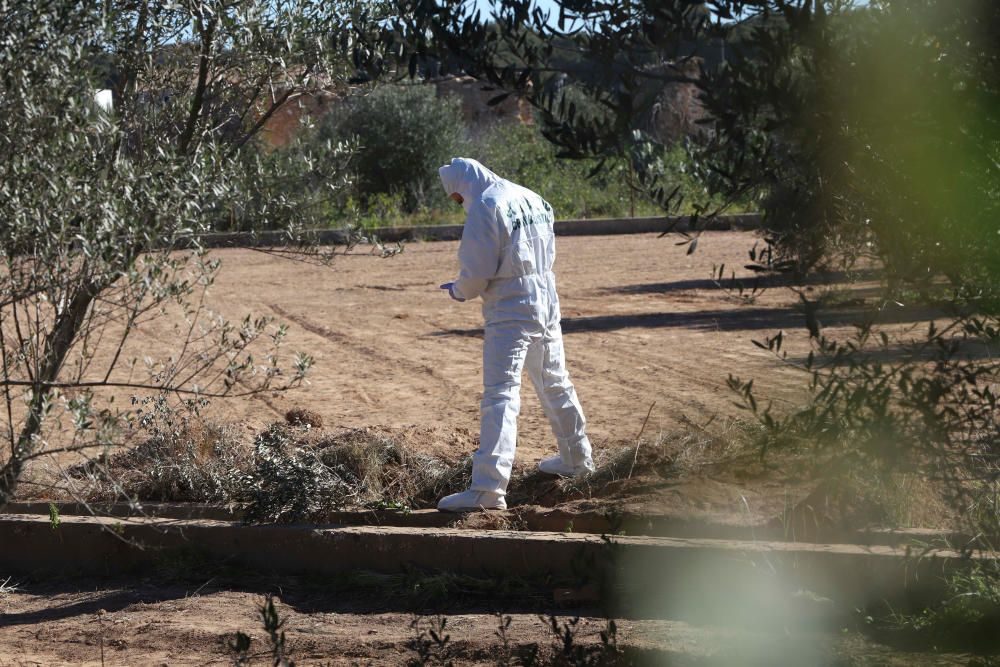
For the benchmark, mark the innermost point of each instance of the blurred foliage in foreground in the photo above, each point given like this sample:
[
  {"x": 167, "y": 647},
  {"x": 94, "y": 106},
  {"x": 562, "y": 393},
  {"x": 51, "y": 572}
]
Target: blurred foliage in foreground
[{"x": 872, "y": 137}]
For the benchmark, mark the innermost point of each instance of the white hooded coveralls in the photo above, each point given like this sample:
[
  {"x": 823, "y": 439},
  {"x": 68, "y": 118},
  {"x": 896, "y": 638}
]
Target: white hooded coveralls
[{"x": 506, "y": 257}]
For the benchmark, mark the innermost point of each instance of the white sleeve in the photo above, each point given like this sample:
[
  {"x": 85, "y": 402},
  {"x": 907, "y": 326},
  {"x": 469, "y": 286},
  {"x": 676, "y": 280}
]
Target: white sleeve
[{"x": 478, "y": 253}]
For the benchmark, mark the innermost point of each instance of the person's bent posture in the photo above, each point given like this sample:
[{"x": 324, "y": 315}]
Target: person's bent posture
[{"x": 506, "y": 257}]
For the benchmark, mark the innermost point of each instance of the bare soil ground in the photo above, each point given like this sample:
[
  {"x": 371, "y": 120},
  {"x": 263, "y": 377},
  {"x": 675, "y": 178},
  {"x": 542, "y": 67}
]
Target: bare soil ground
[
  {"x": 143, "y": 622},
  {"x": 643, "y": 323}
]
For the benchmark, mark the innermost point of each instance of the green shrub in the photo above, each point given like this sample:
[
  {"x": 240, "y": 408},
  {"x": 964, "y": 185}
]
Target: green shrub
[
  {"x": 521, "y": 154},
  {"x": 965, "y": 620},
  {"x": 404, "y": 134}
]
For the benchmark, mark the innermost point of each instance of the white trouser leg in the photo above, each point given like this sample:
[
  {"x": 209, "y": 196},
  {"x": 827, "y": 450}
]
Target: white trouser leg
[
  {"x": 546, "y": 365},
  {"x": 505, "y": 347}
]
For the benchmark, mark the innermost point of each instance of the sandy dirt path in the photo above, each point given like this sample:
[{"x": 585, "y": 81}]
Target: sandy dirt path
[
  {"x": 142, "y": 622},
  {"x": 643, "y": 323}
]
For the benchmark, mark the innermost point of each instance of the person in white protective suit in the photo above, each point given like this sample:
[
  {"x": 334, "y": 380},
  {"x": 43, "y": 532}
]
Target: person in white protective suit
[{"x": 506, "y": 257}]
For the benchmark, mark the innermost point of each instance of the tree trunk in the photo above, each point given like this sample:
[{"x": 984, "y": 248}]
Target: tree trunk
[{"x": 57, "y": 346}]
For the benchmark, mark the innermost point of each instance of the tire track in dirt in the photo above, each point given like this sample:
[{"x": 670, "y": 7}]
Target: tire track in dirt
[
  {"x": 364, "y": 350},
  {"x": 355, "y": 344}
]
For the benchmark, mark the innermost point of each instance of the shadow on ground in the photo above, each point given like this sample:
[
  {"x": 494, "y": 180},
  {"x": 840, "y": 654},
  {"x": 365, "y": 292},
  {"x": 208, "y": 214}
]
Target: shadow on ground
[
  {"x": 733, "y": 319},
  {"x": 746, "y": 283}
]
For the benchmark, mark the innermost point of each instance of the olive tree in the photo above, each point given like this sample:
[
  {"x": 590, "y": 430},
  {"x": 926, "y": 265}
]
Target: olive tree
[{"x": 102, "y": 211}]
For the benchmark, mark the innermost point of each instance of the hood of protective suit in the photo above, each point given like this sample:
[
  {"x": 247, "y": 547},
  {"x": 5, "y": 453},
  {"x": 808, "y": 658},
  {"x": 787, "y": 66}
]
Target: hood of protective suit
[
  {"x": 468, "y": 178},
  {"x": 507, "y": 248}
]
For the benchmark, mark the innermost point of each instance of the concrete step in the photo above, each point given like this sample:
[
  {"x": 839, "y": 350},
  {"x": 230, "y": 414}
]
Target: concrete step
[
  {"x": 537, "y": 519},
  {"x": 661, "y": 575}
]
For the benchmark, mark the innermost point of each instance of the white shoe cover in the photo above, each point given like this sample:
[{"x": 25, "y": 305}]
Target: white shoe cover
[
  {"x": 472, "y": 501},
  {"x": 554, "y": 465}
]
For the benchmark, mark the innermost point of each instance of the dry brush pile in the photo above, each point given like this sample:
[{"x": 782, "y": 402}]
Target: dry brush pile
[
  {"x": 290, "y": 471},
  {"x": 299, "y": 471}
]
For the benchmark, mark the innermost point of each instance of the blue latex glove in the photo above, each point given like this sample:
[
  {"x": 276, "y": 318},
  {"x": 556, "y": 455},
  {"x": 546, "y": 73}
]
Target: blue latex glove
[{"x": 451, "y": 291}]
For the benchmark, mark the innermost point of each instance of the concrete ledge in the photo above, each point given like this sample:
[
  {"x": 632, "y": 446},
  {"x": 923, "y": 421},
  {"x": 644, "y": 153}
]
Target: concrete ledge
[
  {"x": 657, "y": 225},
  {"x": 656, "y": 568},
  {"x": 588, "y": 227},
  {"x": 535, "y": 518},
  {"x": 125, "y": 510}
]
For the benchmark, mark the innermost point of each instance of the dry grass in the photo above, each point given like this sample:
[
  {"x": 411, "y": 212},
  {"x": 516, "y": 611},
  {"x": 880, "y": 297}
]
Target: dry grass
[
  {"x": 632, "y": 470},
  {"x": 192, "y": 460},
  {"x": 288, "y": 472},
  {"x": 384, "y": 469},
  {"x": 297, "y": 471},
  {"x": 6, "y": 588}
]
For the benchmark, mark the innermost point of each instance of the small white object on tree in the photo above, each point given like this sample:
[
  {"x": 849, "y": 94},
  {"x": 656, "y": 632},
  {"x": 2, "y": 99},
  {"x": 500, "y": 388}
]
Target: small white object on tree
[{"x": 104, "y": 99}]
